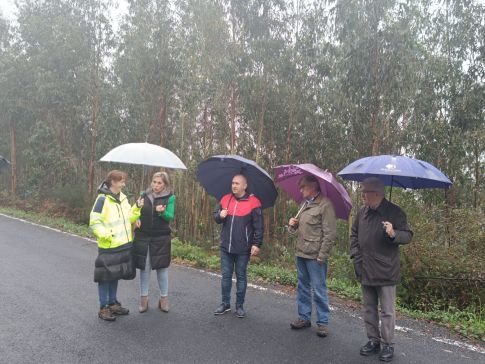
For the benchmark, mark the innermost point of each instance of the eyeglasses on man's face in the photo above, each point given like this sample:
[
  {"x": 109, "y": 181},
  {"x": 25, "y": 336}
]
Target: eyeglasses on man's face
[{"x": 363, "y": 192}]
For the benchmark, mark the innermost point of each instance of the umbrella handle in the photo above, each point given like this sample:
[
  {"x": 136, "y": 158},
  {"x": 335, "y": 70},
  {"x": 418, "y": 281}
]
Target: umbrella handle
[{"x": 301, "y": 209}]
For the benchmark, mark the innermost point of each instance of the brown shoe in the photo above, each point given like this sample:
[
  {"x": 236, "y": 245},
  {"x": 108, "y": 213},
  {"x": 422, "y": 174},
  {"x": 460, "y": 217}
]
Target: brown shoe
[
  {"x": 106, "y": 314},
  {"x": 143, "y": 304},
  {"x": 117, "y": 309},
  {"x": 300, "y": 324},
  {"x": 163, "y": 304},
  {"x": 322, "y": 330}
]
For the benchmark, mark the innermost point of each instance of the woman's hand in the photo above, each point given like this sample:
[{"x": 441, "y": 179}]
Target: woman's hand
[
  {"x": 160, "y": 208},
  {"x": 140, "y": 202},
  {"x": 137, "y": 224}
]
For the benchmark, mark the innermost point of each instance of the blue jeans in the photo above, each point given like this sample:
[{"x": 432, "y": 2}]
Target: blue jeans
[
  {"x": 107, "y": 292},
  {"x": 312, "y": 275},
  {"x": 230, "y": 261},
  {"x": 162, "y": 277}
]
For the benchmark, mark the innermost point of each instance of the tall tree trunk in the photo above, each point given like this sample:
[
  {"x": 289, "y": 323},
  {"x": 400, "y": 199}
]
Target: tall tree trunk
[
  {"x": 163, "y": 120},
  {"x": 92, "y": 156},
  {"x": 291, "y": 121},
  {"x": 13, "y": 157},
  {"x": 261, "y": 123},
  {"x": 232, "y": 117}
]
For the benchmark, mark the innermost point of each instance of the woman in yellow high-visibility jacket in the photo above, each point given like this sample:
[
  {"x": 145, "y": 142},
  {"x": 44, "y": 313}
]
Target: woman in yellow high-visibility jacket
[{"x": 110, "y": 220}]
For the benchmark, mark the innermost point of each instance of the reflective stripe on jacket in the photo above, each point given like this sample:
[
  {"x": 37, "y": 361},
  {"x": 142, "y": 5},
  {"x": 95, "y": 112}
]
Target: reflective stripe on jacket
[{"x": 111, "y": 219}]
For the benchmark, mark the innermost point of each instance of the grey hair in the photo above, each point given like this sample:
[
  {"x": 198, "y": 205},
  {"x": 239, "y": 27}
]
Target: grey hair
[
  {"x": 375, "y": 184},
  {"x": 164, "y": 177}
]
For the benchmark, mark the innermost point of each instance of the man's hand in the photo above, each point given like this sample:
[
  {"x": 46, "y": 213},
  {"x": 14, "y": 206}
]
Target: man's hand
[
  {"x": 254, "y": 250},
  {"x": 223, "y": 213},
  {"x": 320, "y": 261},
  {"x": 389, "y": 229},
  {"x": 137, "y": 224},
  {"x": 293, "y": 222}
]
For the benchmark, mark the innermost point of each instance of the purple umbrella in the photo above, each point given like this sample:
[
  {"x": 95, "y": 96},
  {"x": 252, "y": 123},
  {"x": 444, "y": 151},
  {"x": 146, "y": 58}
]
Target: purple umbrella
[{"x": 288, "y": 176}]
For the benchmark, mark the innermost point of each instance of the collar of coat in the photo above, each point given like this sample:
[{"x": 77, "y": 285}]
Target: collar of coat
[{"x": 381, "y": 209}]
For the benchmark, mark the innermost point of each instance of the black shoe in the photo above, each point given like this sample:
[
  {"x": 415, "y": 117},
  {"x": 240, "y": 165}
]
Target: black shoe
[
  {"x": 370, "y": 348},
  {"x": 387, "y": 353},
  {"x": 222, "y": 309},
  {"x": 240, "y": 311}
]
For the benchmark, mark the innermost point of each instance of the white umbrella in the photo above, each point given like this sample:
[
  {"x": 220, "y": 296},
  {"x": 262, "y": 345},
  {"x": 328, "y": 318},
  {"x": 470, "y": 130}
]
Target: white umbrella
[{"x": 145, "y": 154}]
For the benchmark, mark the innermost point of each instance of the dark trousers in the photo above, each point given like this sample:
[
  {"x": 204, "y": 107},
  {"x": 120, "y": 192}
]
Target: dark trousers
[{"x": 229, "y": 262}]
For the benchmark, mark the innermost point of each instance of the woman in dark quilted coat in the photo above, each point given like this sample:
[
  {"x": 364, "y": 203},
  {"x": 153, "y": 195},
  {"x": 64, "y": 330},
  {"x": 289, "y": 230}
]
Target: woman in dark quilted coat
[{"x": 152, "y": 242}]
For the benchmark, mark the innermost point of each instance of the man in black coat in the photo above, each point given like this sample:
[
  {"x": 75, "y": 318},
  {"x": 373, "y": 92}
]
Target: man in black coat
[{"x": 378, "y": 229}]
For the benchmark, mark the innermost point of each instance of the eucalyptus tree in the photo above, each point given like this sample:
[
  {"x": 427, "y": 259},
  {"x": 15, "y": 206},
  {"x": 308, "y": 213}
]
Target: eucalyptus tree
[
  {"x": 146, "y": 69},
  {"x": 448, "y": 118},
  {"x": 376, "y": 68},
  {"x": 56, "y": 50}
]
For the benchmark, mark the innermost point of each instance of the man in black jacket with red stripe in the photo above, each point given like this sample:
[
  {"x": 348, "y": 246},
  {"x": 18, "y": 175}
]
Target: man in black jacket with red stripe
[{"x": 241, "y": 217}]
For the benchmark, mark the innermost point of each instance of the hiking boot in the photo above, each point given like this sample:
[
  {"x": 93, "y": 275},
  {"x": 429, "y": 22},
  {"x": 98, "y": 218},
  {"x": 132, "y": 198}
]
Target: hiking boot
[
  {"x": 372, "y": 347},
  {"x": 222, "y": 309},
  {"x": 240, "y": 311},
  {"x": 143, "y": 307},
  {"x": 117, "y": 309},
  {"x": 163, "y": 304},
  {"x": 322, "y": 330},
  {"x": 387, "y": 353},
  {"x": 106, "y": 314},
  {"x": 300, "y": 324}
]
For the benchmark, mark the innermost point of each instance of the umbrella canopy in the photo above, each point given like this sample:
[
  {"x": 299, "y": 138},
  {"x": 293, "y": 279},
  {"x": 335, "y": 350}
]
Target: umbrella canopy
[
  {"x": 144, "y": 154},
  {"x": 288, "y": 176},
  {"x": 4, "y": 164},
  {"x": 396, "y": 170},
  {"x": 215, "y": 175}
]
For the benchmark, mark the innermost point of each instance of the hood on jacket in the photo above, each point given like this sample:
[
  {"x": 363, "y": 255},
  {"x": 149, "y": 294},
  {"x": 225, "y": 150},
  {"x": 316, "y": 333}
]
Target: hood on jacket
[{"x": 104, "y": 189}]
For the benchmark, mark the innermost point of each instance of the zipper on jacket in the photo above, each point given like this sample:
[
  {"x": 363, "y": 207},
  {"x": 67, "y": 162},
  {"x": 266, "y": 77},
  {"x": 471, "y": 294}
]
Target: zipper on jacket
[
  {"x": 247, "y": 237},
  {"x": 124, "y": 224},
  {"x": 232, "y": 223}
]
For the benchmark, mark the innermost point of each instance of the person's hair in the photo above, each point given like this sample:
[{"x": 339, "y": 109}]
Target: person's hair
[
  {"x": 310, "y": 181},
  {"x": 243, "y": 177},
  {"x": 374, "y": 184},
  {"x": 114, "y": 176},
  {"x": 164, "y": 177}
]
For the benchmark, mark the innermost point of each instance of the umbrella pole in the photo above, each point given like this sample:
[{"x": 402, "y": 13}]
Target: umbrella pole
[
  {"x": 142, "y": 185},
  {"x": 390, "y": 192}
]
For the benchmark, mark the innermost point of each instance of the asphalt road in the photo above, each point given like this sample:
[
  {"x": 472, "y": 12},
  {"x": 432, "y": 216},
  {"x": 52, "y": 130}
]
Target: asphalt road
[{"x": 49, "y": 304}]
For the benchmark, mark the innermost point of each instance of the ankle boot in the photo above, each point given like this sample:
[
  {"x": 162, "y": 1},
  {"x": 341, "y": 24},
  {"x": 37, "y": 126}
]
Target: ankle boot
[
  {"x": 163, "y": 304},
  {"x": 106, "y": 314},
  {"x": 143, "y": 304}
]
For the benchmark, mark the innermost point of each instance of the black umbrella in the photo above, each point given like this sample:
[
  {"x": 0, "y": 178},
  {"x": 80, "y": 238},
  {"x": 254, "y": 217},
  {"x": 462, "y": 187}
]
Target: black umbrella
[
  {"x": 4, "y": 164},
  {"x": 215, "y": 175}
]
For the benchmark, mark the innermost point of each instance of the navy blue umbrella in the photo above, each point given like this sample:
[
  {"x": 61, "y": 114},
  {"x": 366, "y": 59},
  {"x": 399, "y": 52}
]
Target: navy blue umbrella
[
  {"x": 4, "y": 164},
  {"x": 396, "y": 170},
  {"x": 215, "y": 175}
]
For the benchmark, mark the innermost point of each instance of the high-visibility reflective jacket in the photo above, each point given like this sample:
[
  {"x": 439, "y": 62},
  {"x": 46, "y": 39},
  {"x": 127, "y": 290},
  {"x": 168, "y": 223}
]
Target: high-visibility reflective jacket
[{"x": 111, "y": 219}]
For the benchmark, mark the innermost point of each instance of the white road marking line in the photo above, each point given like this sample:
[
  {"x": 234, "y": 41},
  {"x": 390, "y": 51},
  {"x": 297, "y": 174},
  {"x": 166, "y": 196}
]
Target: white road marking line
[{"x": 456, "y": 343}]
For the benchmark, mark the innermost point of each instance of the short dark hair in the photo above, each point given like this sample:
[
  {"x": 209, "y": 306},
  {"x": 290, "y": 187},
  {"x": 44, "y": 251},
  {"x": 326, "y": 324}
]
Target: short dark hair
[
  {"x": 114, "y": 176},
  {"x": 310, "y": 181}
]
